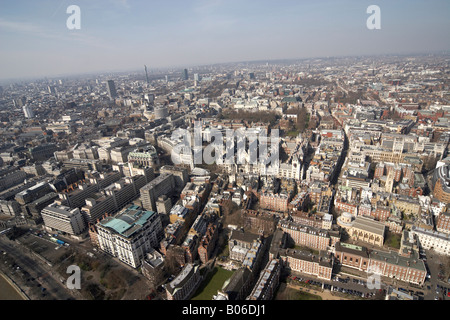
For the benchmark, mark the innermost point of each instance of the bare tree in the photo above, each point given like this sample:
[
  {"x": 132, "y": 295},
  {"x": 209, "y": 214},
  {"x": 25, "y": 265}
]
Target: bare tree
[{"x": 174, "y": 259}]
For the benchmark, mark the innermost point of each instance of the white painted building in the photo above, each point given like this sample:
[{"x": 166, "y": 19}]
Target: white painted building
[
  {"x": 429, "y": 239},
  {"x": 62, "y": 218},
  {"x": 130, "y": 235}
]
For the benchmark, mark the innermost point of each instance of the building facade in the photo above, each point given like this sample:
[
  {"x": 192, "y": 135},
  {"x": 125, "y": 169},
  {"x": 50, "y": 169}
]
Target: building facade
[
  {"x": 320, "y": 265},
  {"x": 429, "y": 239},
  {"x": 162, "y": 185},
  {"x": 443, "y": 222},
  {"x": 268, "y": 281},
  {"x": 307, "y": 236},
  {"x": 274, "y": 202},
  {"x": 64, "y": 219},
  {"x": 367, "y": 230},
  {"x": 184, "y": 284},
  {"x": 130, "y": 234}
]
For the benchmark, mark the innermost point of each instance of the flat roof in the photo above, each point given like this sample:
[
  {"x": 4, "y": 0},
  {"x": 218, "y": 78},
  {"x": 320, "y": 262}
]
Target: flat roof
[{"x": 352, "y": 249}]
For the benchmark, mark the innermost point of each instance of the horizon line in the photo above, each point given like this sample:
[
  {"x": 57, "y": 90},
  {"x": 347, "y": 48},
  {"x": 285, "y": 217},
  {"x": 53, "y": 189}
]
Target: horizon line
[{"x": 136, "y": 69}]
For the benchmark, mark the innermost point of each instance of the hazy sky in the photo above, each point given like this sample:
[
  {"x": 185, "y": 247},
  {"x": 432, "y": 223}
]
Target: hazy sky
[{"x": 118, "y": 35}]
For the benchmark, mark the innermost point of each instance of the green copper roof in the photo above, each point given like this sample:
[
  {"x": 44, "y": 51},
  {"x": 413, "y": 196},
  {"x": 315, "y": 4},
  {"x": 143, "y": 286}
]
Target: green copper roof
[
  {"x": 118, "y": 225},
  {"x": 131, "y": 220}
]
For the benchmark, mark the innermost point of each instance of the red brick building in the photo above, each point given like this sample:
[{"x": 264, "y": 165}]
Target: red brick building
[
  {"x": 381, "y": 213},
  {"x": 388, "y": 264},
  {"x": 441, "y": 192},
  {"x": 307, "y": 236},
  {"x": 443, "y": 222},
  {"x": 346, "y": 207},
  {"x": 379, "y": 170},
  {"x": 365, "y": 209},
  {"x": 259, "y": 221},
  {"x": 320, "y": 265},
  {"x": 352, "y": 256},
  {"x": 274, "y": 202},
  {"x": 307, "y": 219},
  {"x": 208, "y": 242}
]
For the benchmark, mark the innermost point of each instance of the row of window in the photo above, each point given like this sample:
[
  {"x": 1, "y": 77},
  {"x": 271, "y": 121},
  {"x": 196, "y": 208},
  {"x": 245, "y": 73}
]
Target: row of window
[{"x": 394, "y": 268}]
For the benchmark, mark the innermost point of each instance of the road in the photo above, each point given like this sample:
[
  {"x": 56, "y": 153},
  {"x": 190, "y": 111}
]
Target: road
[
  {"x": 325, "y": 285},
  {"x": 32, "y": 275},
  {"x": 433, "y": 261},
  {"x": 428, "y": 289}
]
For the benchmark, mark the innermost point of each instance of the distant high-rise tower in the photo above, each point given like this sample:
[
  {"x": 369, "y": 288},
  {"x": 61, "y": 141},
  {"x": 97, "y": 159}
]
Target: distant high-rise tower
[
  {"x": 111, "y": 89},
  {"x": 28, "y": 112},
  {"x": 146, "y": 74},
  {"x": 196, "y": 77},
  {"x": 149, "y": 97},
  {"x": 185, "y": 74},
  {"x": 20, "y": 102},
  {"x": 51, "y": 89}
]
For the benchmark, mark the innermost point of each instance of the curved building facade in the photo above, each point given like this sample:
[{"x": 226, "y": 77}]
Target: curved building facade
[{"x": 441, "y": 183}]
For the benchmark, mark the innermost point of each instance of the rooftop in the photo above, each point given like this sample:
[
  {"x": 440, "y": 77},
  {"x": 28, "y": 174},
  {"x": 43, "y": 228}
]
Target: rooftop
[
  {"x": 128, "y": 221},
  {"x": 395, "y": 259},
  {"x": 369, "y": 225}
]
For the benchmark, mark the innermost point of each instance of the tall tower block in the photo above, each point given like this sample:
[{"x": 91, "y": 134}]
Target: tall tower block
[{"x": 146, "y": 74}]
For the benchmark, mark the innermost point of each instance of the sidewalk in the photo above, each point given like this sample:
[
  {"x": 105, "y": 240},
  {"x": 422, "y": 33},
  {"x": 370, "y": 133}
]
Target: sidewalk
[
  {"x": 385, "y": 281},
  {"x": 325, "y": 295}
]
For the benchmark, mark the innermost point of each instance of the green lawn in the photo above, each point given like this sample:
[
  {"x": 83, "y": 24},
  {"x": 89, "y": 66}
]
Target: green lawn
[
  {"x": 305, "y": 296},
  {"x": 293, "y": 133},
  {"x": 393, "y": 240},
  {"x": 212, "y": 284},
  {"x": 286, "y": 293},
  {"x": 304, "y": 248}
]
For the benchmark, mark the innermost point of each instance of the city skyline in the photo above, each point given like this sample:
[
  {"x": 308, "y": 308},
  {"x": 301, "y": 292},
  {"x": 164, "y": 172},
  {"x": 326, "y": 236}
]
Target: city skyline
[
  {"x": 116, "y": 187},
  {"x": 120, "y": 35}
]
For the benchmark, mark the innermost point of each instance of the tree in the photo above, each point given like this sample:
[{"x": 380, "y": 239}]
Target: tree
[
  {"x": 429, "y": 163},
  {"x": 229, "y": 207},
  {"x": 235, "y": 218},
  {"x": 302, "y": 119},
  {"x": 172, "y": 260},
  {"x": 157, "y": 277}
]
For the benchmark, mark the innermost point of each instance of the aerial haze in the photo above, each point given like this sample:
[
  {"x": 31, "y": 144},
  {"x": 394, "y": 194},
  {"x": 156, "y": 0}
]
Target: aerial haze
[{"x": 118, "y": 35}]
